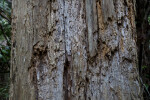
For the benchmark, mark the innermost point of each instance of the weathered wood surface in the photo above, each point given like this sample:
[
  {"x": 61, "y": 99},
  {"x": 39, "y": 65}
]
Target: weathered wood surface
[{"x": 74, "y": 50}]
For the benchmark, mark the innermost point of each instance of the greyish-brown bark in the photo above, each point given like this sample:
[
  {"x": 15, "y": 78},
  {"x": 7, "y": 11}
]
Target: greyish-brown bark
[{"x": 74, "y": 50}]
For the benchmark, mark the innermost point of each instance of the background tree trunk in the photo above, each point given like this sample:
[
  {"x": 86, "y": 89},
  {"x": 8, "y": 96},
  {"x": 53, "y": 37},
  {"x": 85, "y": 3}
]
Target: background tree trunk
[
  {"x": 143, "y": 43},
  {"x": 74, "y": 50}
]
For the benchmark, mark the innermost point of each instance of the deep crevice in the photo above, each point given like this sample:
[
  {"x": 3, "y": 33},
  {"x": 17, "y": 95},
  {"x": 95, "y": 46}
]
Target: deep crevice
[{"x": 65, "y": 80}]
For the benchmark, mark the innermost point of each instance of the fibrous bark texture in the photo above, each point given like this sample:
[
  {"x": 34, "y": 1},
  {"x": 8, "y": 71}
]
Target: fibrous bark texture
[{"x": 74, "y": 50}]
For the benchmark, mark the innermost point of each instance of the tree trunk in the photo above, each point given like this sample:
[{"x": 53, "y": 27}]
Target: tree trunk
[{"x": 74, "y": 50}]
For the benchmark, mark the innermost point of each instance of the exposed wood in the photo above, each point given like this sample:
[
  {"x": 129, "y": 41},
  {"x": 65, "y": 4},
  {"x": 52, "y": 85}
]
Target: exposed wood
[{"x": 74, "y": 50}]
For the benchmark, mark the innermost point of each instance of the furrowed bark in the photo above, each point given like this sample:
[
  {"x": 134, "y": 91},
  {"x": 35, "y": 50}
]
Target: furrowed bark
[{"x": 74, "y": 50}]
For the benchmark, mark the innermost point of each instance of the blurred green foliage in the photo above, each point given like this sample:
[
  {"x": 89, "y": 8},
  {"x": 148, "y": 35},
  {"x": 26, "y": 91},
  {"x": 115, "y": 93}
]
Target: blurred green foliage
[
  {"x": 5, "y": 47},
  {"x": 4, "y": 92},
  {"x": 5, "y": 33}
]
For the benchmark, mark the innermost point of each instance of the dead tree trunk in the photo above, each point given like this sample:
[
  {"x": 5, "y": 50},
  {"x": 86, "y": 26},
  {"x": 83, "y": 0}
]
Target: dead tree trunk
[{"x": 74, "y": 50}]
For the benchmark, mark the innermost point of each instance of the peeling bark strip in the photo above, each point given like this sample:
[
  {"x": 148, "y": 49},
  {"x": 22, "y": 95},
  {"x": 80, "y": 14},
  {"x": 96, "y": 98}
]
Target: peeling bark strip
[
  {"x": 92, "y": 25},
  {"x": 74, "y": 50}
]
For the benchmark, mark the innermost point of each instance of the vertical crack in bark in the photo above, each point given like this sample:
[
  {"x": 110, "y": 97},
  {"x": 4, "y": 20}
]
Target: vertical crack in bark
[
  {"x": 86, "y": 40},
  {"x": 66, "y": 66}
]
